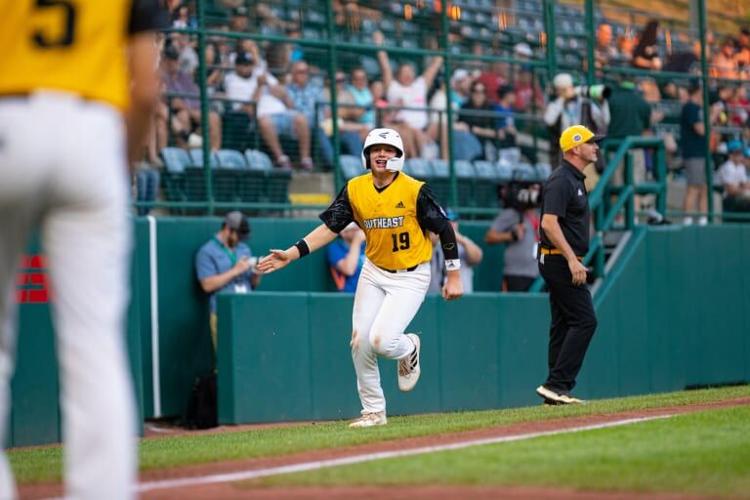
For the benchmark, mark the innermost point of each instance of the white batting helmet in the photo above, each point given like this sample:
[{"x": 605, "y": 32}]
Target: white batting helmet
[{"x": 385, "y": 136}]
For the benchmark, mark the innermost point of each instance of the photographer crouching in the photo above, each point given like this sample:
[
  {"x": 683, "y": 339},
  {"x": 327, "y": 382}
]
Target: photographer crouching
[
  {"x": 517, "y": 226},
  {"x": 571, "y": 105}
]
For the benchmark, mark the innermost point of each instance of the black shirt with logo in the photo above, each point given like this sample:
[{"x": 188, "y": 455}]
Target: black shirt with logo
[{"x": 564, "y": 195}]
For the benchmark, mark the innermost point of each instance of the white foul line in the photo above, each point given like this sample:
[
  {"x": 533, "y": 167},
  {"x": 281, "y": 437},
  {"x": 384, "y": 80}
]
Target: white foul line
[{"x": 368, "y": 457}]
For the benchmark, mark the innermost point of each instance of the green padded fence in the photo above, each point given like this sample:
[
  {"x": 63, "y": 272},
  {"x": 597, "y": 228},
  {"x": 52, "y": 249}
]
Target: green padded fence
[{"x": 673, "y": 315}]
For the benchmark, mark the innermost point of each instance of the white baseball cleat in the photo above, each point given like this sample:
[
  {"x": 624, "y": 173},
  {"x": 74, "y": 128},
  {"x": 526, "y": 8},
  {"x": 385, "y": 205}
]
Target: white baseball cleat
[
  {"x": 557, "y": 397},
  {"x": 408, "y": 367},
  {"x": 370, "y": 420}
]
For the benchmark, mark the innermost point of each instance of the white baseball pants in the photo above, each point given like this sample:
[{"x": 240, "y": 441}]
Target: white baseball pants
[
  {"x": 62, "y": 166},
  {"x": 384, "y": 305}
]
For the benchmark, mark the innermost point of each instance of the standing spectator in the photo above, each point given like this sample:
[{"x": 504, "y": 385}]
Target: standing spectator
[
  {"x": 527, "y": 91},
  {"x": 569, "y": 108},
  {"x": 225, "y": 264},
  {"x": 469, "y": 254},
  {"x": 517, "y": 226},
  {"x": 630, "y": 114},
  {"x": 692, "y": 142},
  {"x": 733, "y": 177},
  {"x": 252, "y": 87},
  {"x": 345, "y": 256},
  {"x": 646, "y": 54},
  {"x": 409, "y": 91},
  {"x": 186, "y": 111}
]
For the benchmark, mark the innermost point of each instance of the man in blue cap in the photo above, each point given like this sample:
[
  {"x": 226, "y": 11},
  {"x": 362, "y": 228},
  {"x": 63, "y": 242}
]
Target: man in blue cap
[{"x": 733, "y": 177}]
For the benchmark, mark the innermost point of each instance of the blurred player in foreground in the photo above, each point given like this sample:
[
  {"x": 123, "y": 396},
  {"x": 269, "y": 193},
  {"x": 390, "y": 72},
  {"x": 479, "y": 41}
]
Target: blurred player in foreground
[
  {"x": 77, "y": 89},
  {"x": 395, "y": 211}
]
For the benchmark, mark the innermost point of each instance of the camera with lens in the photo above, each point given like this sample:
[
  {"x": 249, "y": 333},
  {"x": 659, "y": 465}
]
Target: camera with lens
[
  {"x": 596, "y": 92},
  {"x": 520, "y": 195}
]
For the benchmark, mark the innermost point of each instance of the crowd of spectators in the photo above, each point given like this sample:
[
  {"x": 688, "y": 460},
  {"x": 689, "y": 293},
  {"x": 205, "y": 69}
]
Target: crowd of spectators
[{"x": 281, "y": 92}]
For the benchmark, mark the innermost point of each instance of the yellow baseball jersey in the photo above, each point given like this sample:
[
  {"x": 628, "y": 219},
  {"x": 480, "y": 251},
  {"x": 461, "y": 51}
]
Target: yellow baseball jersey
[
  {"x": 395, "y": 240},
  {"x": 76, "y": 46}
]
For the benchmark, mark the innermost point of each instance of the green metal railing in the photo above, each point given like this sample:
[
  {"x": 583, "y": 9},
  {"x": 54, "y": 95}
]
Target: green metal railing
[
  {"x": 332, "y": 48},
  {"x": 605, "y": 213}
]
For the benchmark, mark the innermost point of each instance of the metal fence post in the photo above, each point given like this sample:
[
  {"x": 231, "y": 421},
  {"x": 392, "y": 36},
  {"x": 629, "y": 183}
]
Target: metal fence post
[
  {"x": 332, "y": 68},
  {"x": 701, "y": 5}
]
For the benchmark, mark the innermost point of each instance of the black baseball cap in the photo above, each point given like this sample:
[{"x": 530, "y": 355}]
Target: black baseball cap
[{"x": 237, "y": 221}]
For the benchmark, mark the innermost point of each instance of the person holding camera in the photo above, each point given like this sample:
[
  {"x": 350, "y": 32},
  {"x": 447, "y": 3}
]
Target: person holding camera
[
  {"x": 564, "y": 234},
  {"x": 226, "y": 264},
  {"x": 574, "y": 105},
  {"x": 517, "y": 226}
]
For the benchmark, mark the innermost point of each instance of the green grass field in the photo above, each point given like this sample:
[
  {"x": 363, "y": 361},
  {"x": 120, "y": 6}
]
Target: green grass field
[
  {"x": 44, "y": 464},
  {"x": 706, "y": 453}
]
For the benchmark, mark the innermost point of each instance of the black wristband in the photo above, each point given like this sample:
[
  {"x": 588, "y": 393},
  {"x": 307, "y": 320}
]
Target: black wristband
[
  {"x": 302, "y": 247},
  {"x": 514, "y": 236}
]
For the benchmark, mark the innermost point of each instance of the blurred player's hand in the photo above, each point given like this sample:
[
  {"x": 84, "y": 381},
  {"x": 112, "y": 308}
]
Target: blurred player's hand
[
  {"x": 453, "y": 288},
  {"x": 274, "y": 261}
]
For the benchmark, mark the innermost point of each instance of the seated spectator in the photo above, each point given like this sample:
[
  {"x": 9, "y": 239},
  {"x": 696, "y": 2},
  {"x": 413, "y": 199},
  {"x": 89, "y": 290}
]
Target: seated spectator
[
  {"x": 724, "y": 64},
  {"x": 496, "y": 77},
  {"x": 527, "y": 92},
  {"x": 346, "y": 256},
  {"x": 461, "y": 86},
  {"x": 238, "y": 21},
  {"x": 468, "y": 251},
  {"x": 182, "y": 18},
  {"x": 604, "y": 50},
  {"x": 307, "y": 97},
  {"x": 255, "y": 91},
  {"x": 518, "y": 228},
  {"x": 362, "y": 96},
  {"x": 409, "y": 91},
  {"x": 733, "y": 177},
  {"x": 186, "y": 111},
  {"x": 225, "y": 264},
  {"x": 352, "y": 133},
  {"x": 743, "y": 53},
  {"x": 146, "y": 185},
  {"x": 478, "y": 117},
  {"x": 506, "y": 127}
]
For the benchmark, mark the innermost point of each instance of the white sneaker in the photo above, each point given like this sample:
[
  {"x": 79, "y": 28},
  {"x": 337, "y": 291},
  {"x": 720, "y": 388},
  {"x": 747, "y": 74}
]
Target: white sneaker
[
  {"x": 687, "y": 221},
  {"x": 557, "y": 397},
  {"x": 702, "y": 221},
  {"x": 408, "y": 367},
  {"x": 370, "y": 420}
]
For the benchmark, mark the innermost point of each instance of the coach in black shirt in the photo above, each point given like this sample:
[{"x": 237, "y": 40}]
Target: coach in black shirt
[{"x": 564, "y": 241}]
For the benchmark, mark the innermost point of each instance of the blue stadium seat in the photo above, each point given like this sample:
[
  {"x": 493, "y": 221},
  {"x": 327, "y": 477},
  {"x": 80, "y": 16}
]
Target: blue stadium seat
[
  {"x": 485, "y": 170},
  {"x": 504, "y": 171},
  {"x": 440, "y": 168},
  {"x": 258, "y": 160},
  {"x": 175, "y": 159},
  {"x": 231, "y": 158},
  {"x": 196, "y": 158},
  {"x": 543, "y": 170},
  {"x": 464, "y": 169},
  {"x": 418, "y": 167},
  {"x": 524, "y": 172},
  {"x": 350, "y": 165}
]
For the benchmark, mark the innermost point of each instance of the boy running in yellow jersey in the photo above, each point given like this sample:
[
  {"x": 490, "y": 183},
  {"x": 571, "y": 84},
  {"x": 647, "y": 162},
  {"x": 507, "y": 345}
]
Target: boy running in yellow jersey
[
  {"x": 77, "y": 88},
  {"x": 395, "y": 211}
]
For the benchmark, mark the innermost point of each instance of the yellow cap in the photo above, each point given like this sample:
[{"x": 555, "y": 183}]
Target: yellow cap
[{"x": 575, "y": 135}]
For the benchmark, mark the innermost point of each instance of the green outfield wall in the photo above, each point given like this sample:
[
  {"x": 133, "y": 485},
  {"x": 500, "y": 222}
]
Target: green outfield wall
[
  {"x": 673, "y": 315},
  {"x": 674, "y": 312}
]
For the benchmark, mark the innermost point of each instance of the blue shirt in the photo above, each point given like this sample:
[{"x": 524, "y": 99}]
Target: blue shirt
[
  {"x": 214, "y": 258},
  {"x": 304, "y": 99},
  {"x": 363, "y": 97},
  {"x": 336, "y": 251}
]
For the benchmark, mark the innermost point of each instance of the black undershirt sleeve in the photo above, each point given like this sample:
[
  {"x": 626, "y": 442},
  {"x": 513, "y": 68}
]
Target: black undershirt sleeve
[
  {"x": 432, "y": 217},
  {"x": 147, "y": 15},
  {"x": 339, "y": 214}
]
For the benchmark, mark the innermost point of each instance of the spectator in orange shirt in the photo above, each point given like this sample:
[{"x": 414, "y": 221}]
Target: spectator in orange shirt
[{"x": 725, "y": 63}]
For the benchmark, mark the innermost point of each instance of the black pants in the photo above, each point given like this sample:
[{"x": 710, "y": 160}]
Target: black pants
[{"x": 573, "y": 323}]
